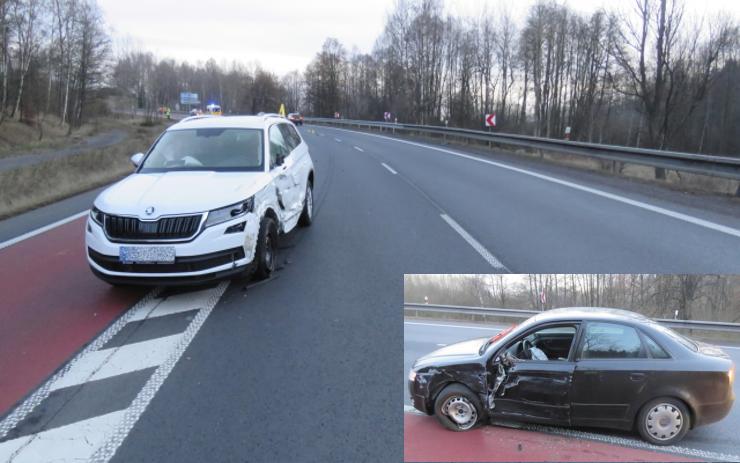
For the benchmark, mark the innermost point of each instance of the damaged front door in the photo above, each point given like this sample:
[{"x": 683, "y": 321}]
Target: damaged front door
[{"x": 533, "y": 376}]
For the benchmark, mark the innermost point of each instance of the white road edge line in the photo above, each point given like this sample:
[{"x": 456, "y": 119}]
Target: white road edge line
[
  {"x": 613, "y": 440},
  {"x": 454, "y": 326},
  {"x": 490, "y": 258},
  {"x": 359, "y": 149},
  {"x": 137, "y": 407},
  {"x": 43, "y": 229},
  {"x": 622, "y": 199},
  {"x": 338, "y": 140},
  {"x": 390, "y": 169}
]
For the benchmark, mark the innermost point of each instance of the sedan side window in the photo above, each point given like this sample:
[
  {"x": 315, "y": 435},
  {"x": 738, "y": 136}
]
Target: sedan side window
[
  {"x": 551, "y": 343},
  {"x": 611, "y": 341},
  {"x": 288, "y": 137},
  {"x": 656, "y": 351},
  {"x": 277, "y": 145}
]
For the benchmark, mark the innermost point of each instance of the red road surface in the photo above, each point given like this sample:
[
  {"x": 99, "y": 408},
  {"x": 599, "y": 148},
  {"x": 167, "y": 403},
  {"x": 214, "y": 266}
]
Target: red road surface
[
  {"x": 426, "y": 440},
  {"x": 50, "y": 306}
]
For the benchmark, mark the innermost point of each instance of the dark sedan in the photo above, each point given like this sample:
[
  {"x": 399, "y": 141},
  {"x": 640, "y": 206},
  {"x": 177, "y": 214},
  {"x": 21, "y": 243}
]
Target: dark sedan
[
  {"x": 579, "y": 367},
  {"x": 296, "y": 118}
]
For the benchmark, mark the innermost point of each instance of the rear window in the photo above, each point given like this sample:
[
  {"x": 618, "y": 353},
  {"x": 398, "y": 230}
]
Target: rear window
[
  {"x": 611, "y": 341},
  {"x": 681, "y": 339}
]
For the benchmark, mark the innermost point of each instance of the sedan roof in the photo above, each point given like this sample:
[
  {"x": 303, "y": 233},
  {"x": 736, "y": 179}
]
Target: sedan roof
[{"x": 590, "y": 313}]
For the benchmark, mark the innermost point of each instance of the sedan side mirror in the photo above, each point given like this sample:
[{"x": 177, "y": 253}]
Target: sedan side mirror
[{"x": 137, "y": 158}]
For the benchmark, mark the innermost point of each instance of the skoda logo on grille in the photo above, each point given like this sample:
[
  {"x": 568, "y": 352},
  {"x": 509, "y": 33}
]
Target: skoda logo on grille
[{"x": 149, "y": 210}]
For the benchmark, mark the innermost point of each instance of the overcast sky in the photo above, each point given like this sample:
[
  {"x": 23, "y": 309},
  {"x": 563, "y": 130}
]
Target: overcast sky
[{"x": 284, "y": 35}]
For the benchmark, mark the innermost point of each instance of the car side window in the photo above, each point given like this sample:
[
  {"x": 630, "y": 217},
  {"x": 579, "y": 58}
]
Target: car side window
[
  {"x": 611, "y": 341},
  {"x": 656, "y": 351},
  {"x": 294, "y": 134},
  {"x": 277, "y": 145},
  {"x": 549, "y": 343}
]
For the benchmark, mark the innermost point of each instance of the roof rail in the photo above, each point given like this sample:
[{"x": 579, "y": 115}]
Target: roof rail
[{"x": 193, "y": 118}]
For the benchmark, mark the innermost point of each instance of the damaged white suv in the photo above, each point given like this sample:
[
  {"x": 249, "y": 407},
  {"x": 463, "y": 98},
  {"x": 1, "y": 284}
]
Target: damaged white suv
[{"x": 207, "y": 201}]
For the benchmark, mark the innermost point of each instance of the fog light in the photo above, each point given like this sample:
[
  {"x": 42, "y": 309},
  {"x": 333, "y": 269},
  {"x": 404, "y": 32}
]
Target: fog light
[{"x": 236, "y": 228}]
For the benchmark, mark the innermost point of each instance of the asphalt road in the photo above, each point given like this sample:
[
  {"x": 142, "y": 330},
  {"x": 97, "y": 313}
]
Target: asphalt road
[
  {"x": 422, "y": 336},
  {"x": 302, "y": 366}
]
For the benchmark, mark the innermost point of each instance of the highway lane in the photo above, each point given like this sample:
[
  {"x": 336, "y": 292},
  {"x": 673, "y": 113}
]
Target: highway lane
[
  {"x": 301, "y": 367},
  {"x": 543, "y": 218},
  {"x": 422, "y": 336}
]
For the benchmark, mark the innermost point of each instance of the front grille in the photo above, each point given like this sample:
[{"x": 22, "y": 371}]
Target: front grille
[
  {"x": 166, "y": 228},
  {"x": 182, "y": 264}
]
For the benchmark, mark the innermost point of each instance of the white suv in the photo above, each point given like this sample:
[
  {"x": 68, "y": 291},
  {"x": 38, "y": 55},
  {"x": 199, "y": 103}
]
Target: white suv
[{"x": 207, "y": 201}]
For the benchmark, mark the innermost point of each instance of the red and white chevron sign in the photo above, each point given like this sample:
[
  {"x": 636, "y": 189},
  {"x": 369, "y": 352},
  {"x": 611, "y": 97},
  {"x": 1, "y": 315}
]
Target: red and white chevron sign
[{"x": 491, "y": 120}]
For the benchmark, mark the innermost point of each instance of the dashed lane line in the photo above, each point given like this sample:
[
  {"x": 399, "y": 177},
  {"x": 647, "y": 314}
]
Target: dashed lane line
[
  {"x": 594, "y": 191},
  {"x": 359, "y": 149},
  {"x": 490, "y": 258},
  {"x": 390, "y": 169},
  {"x": 43, "y": 229},
  {"x": 338, "y": 140}
]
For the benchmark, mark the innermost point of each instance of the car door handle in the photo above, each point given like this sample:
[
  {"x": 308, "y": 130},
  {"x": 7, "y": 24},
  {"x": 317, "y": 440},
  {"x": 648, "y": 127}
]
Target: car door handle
[{"x": 637, "y": 376}]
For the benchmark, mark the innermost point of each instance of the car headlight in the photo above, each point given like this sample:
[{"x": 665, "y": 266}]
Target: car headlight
[
  {"x": 97, "y": 216},
  {"x": 412, "y": 376},
  {"x": 227, "y": 213}
]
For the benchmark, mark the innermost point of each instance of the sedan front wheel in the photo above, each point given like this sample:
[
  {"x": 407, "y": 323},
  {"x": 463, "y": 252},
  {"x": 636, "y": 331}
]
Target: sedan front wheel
[{"x": 457, "y": 408}]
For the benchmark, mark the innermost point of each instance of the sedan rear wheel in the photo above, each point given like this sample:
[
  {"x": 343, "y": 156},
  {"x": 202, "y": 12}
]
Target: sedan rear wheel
[
  {"x": 457, "y": 408},
  {"x": 663, "y": 421}
]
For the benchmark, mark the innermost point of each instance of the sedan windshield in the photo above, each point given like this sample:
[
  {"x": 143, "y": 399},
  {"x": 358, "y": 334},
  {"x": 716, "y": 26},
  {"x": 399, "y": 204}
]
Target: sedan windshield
[{"x": 207, "y": 149}]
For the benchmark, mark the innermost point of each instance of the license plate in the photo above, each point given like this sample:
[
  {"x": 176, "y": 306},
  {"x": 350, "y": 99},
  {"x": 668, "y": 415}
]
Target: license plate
[{"x": 147, "y": 255}]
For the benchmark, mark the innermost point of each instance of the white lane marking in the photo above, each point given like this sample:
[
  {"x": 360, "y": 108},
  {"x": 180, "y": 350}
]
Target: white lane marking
[
  {"x": 75, "y": 441},
  {"x": 454, "y": 326},
  {"x": 390, "y": 169},
  {"x": 116, "y": 361},
  {"x": 43, "y": 229},
  {"x": 137, "y": 407},
  {"x": 148, "y": 303},
  {"x": 338, "y": 140},
  {"x": 359, "y": 149},
  {"x": 622, "y": 199},
  {"x": 490, "y": 258},
  {"x": 441, "y": 345},
  {"x": 175, "y": 304}
]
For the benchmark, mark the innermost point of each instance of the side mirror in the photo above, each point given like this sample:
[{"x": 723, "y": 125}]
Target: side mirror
[{"x": 137, "y": 158}]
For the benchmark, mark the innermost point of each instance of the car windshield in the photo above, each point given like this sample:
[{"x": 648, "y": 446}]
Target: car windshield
[{"x": 218, "y": 149}]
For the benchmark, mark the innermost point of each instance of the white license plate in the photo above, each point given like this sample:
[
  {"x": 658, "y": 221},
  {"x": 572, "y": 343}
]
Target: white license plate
[{"x": 147, "y": 255}]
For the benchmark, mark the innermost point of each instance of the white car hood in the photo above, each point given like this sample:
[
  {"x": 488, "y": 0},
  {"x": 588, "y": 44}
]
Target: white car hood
[{"x": 179, "y": 192}]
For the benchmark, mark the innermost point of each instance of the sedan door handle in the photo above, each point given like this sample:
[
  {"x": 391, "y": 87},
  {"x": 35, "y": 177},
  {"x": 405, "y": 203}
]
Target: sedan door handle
[{"x": 637, "y": 376}]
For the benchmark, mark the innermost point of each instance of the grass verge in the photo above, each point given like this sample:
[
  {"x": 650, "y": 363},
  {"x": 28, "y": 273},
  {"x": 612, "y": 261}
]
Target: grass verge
[{"x": 35, "y": 185}]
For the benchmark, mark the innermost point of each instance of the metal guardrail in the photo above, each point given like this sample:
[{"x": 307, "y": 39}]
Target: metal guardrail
[
  {"x": 521, "y": 313},
  {"x": 717, "y": 166}
]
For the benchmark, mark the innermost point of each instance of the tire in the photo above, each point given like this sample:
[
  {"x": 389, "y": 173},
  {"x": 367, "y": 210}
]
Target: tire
[
  {"x": 266, "y": 254},
  {"x": 461, "y": 401},
  {"x": 663, "y": 421},
  {"x": 306, "y": 218}
]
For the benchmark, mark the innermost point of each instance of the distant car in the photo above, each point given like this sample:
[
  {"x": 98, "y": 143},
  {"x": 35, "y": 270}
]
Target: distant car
[
  {"x": 208, "y": 201},
  {"x": 296, "y": 118},
  {"x": 579, "y": 367}
]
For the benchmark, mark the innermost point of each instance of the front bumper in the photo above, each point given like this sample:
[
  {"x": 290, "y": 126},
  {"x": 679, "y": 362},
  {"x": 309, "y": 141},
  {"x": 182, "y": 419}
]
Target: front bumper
[
  {"x": 211, "y": 255},
  {"x": 419, "y": 396}
]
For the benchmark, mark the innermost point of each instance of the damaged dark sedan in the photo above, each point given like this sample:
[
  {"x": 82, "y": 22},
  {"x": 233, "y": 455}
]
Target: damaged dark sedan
[{"x": 579, "y": 367}]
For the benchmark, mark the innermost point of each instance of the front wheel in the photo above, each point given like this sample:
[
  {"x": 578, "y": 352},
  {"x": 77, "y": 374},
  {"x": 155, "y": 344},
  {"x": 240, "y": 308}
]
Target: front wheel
[
  {"x": 266, "y": 254},
  {"x": 663, "y": 421},
  {"x": 307, "y": 214},
  {"x": 458, "y": 408}
]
